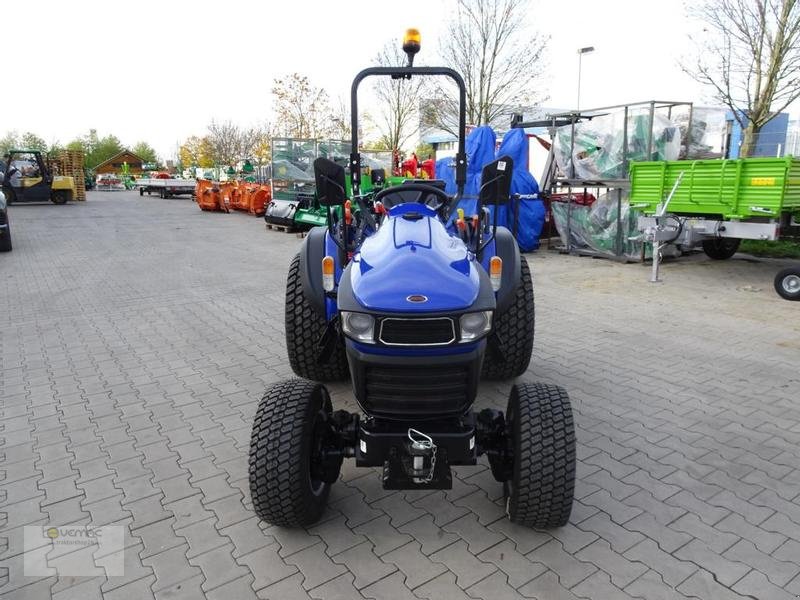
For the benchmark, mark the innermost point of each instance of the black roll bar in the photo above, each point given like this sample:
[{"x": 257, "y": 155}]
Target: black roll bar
[{"x": 406, "y": 73}]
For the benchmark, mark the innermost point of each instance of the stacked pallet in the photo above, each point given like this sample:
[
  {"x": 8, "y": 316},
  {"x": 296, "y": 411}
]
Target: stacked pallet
[{"x": 70, "y": 163}]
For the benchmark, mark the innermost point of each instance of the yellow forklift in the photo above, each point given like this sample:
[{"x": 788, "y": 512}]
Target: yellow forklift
[{"x": 28, "y": 177}]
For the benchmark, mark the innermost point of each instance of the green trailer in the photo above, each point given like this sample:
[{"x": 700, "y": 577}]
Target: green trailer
[{"x": 717, "y": 203}]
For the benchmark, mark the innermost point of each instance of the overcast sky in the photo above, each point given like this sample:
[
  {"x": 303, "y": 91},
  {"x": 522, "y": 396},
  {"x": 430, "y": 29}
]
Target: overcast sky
[{"x": 160, "y": 71}]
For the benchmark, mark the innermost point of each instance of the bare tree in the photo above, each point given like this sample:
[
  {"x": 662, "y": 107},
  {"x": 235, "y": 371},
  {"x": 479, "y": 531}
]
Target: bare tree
[
  {"x": 302, "y": 109},
  {"x": 339, "y": 118},
  {"x": 499, "y": 57},
  {"x": 750, "y": 57},
  {"x": 225, "y": 142},
  {"x": 398, "y": 100}
]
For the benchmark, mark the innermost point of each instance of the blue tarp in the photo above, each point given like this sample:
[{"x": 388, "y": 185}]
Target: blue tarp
[
  {"x": 531, "y": 211},
  {"x": 480, "y": 147}
]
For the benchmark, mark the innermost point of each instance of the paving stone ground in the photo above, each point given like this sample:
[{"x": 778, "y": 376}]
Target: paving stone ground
[{"x": 138, "y": 335}]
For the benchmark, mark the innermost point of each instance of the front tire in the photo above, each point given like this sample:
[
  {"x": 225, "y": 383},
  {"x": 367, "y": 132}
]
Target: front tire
[
  {"x": 721, "y": 248},
  {"x": 542, "y": 442},
  {"x": 5, "y": 240},
  {"x": 304, "y": 328},
  {"x": 59, "y": 196},
  {"x": 787, "y": 283},
  {"x": 285, "y": 432},
  {"x": 515, "y": 330}
]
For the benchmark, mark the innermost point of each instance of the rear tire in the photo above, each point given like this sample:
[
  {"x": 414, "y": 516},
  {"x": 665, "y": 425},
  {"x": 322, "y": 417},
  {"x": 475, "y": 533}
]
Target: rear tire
[
  {"x": 141, "y": 191},
  {"x": 304, "y": 328},
  {"x": 542, "y": 438},
  {"x": 787, "y": 283},
  {"x": 515, "y": 328},
  {"x": 721, "y": 248},
  {"x": 282, "y": 487}
]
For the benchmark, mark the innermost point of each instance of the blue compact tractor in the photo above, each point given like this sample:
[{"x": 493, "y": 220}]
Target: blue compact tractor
[{"x": 415, "y": 312}]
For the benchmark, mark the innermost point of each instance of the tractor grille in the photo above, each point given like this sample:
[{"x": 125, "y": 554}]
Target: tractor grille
[
  {"x": 400, "y": 391},
  {"x": 417, "y": 332}
]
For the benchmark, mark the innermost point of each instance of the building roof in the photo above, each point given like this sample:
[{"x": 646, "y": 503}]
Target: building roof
[{"x": 116, "y": 156}]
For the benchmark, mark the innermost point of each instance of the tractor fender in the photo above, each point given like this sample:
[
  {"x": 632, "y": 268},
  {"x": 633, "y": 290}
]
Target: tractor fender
[
  {"x": 507, "y": 249},
  {"x": 311, "y": 254}
]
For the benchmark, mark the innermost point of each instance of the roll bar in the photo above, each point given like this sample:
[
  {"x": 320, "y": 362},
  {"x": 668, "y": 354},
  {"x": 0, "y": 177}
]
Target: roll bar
[{"x": 406, "y": 73}]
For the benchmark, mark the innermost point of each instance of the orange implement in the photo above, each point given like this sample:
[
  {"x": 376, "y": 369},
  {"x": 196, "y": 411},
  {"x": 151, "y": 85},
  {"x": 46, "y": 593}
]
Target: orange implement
[
  {"x": 259, "y": 200},
  {"x": 208, "y": 195}
]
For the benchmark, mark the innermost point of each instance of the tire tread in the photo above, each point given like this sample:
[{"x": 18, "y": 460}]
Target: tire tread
[{"x": 544, "y": 461}]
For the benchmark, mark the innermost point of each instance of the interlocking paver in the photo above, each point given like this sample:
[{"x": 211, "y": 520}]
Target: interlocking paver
[
  {"x": 546, "y": 587},
  {"x": 130, "y": 402},
  {"x": 392, "y": 587},
  {"x": 779, "y": 572},
  {"x": 384, "y": 537},
  {"x": 362, "y": 562},
  {"x": 621, "y": 570},
  {"x": 267, "y": 566},
  {"x": 671, "y": 570},
  {"x": 315, "y": 566},
  {"x": 725, "y": 571}
]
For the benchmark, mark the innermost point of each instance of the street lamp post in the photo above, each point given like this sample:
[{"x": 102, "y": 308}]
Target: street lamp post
[{"x": 581, "y": 52}]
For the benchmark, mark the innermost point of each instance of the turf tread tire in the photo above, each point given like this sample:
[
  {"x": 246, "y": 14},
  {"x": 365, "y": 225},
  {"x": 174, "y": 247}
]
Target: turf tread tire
[
  {"x": 542, "y": 431},
  {"x": 515, "y": 327},
  {"x": 304, "y": 327},
  {"x": 279, "y": 454}
]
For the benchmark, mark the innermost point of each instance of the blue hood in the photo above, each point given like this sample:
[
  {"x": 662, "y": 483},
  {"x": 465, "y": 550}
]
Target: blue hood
[{"x": 413, "y": 257}]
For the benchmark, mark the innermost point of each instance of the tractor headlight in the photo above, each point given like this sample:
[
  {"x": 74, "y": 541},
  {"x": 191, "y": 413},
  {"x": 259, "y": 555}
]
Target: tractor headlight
[
  {"x": 475, "y": 325},
  {"x": 359, "y": 326}
]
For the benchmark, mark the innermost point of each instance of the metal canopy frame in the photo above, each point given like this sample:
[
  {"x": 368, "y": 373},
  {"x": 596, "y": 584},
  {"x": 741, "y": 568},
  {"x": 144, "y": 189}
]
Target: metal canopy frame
[{"x": 552, "y": 182}]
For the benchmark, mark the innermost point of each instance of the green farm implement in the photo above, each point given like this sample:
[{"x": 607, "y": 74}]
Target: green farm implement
[
  {"x": 716, "y": 203},
  {"x": 294, "y": 202}
]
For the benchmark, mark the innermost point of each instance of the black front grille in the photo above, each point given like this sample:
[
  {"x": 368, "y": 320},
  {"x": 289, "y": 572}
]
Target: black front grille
[
  {"x": 401, "y": 391},
  {"x": 417, "y": 332}
]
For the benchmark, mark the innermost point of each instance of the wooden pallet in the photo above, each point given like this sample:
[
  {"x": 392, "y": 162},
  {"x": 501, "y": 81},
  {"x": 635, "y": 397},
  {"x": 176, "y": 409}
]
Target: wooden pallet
[{"x": 283, "y": 228}]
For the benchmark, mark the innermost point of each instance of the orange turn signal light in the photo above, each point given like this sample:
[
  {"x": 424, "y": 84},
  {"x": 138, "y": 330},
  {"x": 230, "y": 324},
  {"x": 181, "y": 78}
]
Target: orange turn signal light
[
  {"x": 328, "y": 269},
  {"x": 495, "y": 272}
]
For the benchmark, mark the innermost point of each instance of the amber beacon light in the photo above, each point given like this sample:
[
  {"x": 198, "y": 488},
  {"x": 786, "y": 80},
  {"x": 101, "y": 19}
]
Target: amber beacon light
[{"x": 412, "y": 42}]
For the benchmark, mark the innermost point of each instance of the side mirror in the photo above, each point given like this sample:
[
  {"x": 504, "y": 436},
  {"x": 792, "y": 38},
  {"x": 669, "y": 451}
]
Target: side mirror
[
  {"x": 378, "y": 177},
  {"x": 329, "y": 178},
  {"x": 496, "y": 181}
]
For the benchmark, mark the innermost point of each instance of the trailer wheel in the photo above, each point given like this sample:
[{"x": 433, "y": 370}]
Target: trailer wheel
[
  {"x": 304, "y": 329},
  {"x": 721, "y": 248},
  {"x": 787, "y": 283},
  {"x": 289, "y": 427},
  {"x": 515, "y": 329},
  {"x": 541, "y": 437}
]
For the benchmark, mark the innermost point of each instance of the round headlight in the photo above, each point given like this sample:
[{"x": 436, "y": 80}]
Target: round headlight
[
  {"x": 474, "y": 322},
  {"x": 474, "y": 325},
  {"x": 359, "y": 322}
]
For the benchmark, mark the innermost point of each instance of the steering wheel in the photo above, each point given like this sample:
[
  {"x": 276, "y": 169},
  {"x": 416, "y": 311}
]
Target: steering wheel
[{"x": 424, "y": 191}]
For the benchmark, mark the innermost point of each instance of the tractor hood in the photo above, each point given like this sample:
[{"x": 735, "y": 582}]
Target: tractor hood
[{"x": 413, "y": 256}]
